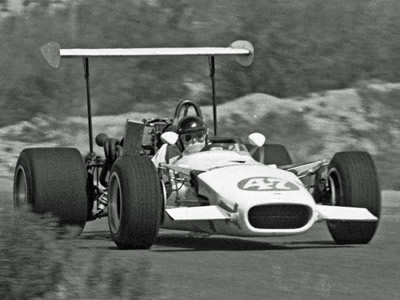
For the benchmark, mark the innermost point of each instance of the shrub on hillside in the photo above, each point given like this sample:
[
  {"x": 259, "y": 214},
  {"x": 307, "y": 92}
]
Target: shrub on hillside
[{"x": 301, "y": 47}]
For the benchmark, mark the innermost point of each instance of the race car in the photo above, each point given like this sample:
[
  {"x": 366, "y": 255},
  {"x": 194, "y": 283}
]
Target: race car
[{"x": 229, "y": 187}]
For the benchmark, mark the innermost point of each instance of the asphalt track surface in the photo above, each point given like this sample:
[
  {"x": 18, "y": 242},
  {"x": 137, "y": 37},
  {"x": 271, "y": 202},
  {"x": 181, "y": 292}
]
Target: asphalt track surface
[{"x": 308, "y": 266}]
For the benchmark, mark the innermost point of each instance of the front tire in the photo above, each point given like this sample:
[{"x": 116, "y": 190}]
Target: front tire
[
  {"x": 354, "y": 182},
  {"x": 52, "y": 180},
  {"x": 134, "y": 202}
]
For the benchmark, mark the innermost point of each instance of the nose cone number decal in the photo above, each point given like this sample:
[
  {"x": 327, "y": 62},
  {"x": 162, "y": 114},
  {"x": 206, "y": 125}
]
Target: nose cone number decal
[{"x": 266, "y": 184}]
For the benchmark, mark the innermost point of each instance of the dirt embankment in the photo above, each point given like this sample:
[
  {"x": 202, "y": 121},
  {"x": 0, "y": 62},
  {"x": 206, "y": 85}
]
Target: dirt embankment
[{"x": 311, "y": 127}]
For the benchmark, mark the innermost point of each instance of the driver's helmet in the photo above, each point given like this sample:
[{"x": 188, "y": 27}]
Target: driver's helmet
[{"x": 192, "y": 133}]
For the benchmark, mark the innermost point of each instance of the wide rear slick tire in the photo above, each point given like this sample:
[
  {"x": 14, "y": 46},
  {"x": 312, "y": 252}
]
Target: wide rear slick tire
[
  {"x": 134, "y": 202},
  {"x": 52, "y": 180},
  {"x": 354, "y": 182}
]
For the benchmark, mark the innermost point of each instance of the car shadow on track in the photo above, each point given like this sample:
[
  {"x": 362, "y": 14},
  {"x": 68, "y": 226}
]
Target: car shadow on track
[
  {"x": 96, "y": 235},
  {"x": 187, "y": 242},
  {"x": 166, "y": 243}
]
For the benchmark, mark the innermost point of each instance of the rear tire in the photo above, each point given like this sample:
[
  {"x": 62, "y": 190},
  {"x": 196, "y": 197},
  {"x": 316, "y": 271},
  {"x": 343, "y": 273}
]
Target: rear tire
[
  {"x": 354, "y": 182},
  {"x": 134, "y": 202},
  {"x": 52, "y": 180},
  {"x": 273, "y": 154}
]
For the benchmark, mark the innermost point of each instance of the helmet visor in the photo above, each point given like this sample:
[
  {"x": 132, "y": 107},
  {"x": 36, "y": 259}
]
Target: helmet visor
[{"x": 190, "y": 137}]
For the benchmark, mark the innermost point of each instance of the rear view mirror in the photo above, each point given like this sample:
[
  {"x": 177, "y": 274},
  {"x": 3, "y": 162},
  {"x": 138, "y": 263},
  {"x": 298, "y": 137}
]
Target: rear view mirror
[
  {"x": 169, "y": 137},
  {"x": 257, "y": 139}
]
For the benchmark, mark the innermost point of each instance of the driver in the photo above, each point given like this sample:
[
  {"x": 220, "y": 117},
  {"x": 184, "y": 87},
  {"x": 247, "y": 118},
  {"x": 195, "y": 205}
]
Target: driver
[
  {"x": 192, "y": 135},
  {"x": 192, "y": 139}
]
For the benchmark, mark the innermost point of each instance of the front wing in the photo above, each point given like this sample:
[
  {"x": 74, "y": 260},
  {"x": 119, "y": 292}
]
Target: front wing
[{"x": 190, "y": 218}]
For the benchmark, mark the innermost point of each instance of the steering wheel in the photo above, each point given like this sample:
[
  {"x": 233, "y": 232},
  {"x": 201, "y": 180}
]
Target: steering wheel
[{"x": 184, "y": 107}]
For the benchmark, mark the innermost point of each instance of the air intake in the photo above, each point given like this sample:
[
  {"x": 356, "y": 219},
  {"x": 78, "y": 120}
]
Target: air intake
[{"x": 279, "y": 216}]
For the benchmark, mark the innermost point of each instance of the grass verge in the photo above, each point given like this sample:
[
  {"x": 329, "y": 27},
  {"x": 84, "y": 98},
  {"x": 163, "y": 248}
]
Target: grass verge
[{"x": 38, "y": 260}]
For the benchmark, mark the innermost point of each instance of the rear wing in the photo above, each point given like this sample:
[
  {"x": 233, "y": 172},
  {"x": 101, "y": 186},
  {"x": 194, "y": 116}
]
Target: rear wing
[{"x": 243, "y": 51}]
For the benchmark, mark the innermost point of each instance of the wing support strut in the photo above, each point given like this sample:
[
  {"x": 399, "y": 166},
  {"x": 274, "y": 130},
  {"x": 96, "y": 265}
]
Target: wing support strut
[
  {"x": 89, "y": 106},
  {"x": 214, "y": 102}
]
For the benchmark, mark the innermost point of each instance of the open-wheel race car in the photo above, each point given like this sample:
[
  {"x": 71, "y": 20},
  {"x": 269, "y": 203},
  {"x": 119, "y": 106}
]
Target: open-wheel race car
[{"x": 228, "y": 187}]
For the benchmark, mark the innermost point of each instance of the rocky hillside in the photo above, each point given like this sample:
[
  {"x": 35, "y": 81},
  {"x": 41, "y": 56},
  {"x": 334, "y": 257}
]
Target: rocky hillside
[{"x": 363, "y": 118}]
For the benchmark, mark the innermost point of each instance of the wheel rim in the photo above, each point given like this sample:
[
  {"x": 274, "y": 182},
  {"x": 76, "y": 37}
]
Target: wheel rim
[
  {"x": 21, "y": 188},
  {"x": 335, "y": 186},
  {"x": 114, "y": 203},
  {"x": 335, "y": 192}
]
